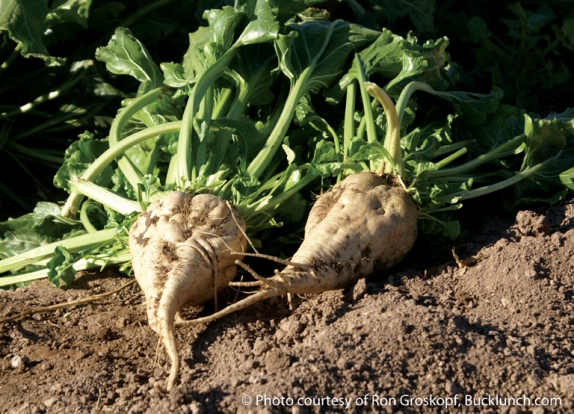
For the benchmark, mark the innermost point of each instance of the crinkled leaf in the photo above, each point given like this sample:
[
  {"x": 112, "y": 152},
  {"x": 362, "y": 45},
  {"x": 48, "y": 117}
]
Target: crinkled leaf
[
  {"x": 222, "y": 24},
  {"x": 291, "y": 210},
  {"x": 61, "y": 268},
  {"x": 402, "y": 61},
  {"x": 174, "y": 75},
  {"x": 304, "y": 111},
  {"x": 548, "y": 164},
  {"x": 251, "y": 133},
  {"x": 78, "y": 157},
  {"x": 565, "y": 119},
  {"x": 243, "y": 186},
  {"x": 445, "y": 227},
  {"x": 264, "y": 28},
  {"x": 324, "y": 152},
  {"x": 44, "y": 225},
  {"x": 47, "y": 219},
  {"x": 126, "y": 55},
  {"x": 195, "y": 61},
  {"x": 423, "y": 143},
  {"x": 550, "y": 151},
  {"x": 104, "y": 89},
  {"x": 451, "y": 229},
  {"x": 333, "y": 169},
  {"x": 428, "y": 63},
  {"x": 372, "y": 151},
  {"x": 159, "y": 111}
]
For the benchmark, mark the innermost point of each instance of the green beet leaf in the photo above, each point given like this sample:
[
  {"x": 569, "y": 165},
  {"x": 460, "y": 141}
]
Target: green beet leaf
[
  {"x": 428, "y": 63},
  {"x": 24, "y": 20},
  {"x": 126, "y": 55},
  {"x": 61, "y": 267},
  {"x": 78, "y": 157},
  {"x": 44, "y": 225},
  {"x": 18, "y": 241},
  {"x": 383, "y": 57}
]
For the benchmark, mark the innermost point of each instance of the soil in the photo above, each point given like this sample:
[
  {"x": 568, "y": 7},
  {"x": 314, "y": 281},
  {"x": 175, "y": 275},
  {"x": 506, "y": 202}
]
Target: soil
[{"x": 488, "y": 332}]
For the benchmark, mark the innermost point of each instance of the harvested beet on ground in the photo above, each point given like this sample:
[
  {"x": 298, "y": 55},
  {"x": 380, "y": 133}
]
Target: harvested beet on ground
[
  {"x": 182, "y": 253},
  {"x": 502, "y": 326}
]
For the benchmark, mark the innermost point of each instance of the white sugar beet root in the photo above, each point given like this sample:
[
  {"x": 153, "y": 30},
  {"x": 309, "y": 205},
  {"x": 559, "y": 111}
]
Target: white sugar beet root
[
  {"x": 364, "y": 220},
  {"x": 181, "y": 254}
]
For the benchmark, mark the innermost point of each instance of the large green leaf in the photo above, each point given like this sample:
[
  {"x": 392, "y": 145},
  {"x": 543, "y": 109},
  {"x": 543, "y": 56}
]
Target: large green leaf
[
  {"x": 383, "y": 57},
  {"x": 126, "y": 55},
  {"x": 264, "y": 28},
  {"x": 24, "y": 21},
  {"x": 498, "y": 127},
  {"x": 207, "y": 44},
  {"x": 44, "y": 225},
  {"x": 222, "y": 24},
  {"x": 313, "y": 55},
  {"x": 550, "y": 148},
  {"x": 423, "y": 143},
  {"x": 472, "y": 108},
  {"x": 251, "y": 72},
  {"x": 19, "y": 241},
  {"x": 428, "y": 63},
  {"x": 195, "y": 61},
  {"x": 321, "y": 48}
]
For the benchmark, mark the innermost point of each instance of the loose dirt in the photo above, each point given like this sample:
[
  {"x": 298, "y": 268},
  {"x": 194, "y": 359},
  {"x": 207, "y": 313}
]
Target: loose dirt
[{"x": 489, "y": 331}]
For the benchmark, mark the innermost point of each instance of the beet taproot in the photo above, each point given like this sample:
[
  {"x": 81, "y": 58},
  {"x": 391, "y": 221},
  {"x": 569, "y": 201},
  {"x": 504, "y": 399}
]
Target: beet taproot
[{"x": 181, "y": 249}]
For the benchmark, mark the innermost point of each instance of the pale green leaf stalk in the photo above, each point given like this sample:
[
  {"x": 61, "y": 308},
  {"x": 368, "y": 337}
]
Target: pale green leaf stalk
[
  {"x": 392, "y": 141},
  {"x": 93, "y": 262},
  {"x": 106, "y": 197},
  {"x": 133, "y": 176},
  {"x": 73, "y": 245},
  {"x": 73, "y": 202}
]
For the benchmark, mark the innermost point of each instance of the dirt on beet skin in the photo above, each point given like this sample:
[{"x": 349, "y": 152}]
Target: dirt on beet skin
[{"x": 490, "y": 330}]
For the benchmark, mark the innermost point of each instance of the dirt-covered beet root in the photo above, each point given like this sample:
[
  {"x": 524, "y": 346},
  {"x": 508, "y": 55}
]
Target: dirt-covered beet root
[
  {"x": 181, "y": 254},
  {"x": 364, "y": 220}
]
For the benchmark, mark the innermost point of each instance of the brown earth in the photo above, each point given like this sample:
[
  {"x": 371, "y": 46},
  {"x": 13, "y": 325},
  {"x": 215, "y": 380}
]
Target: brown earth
[{"x": 410, "y": 341}]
